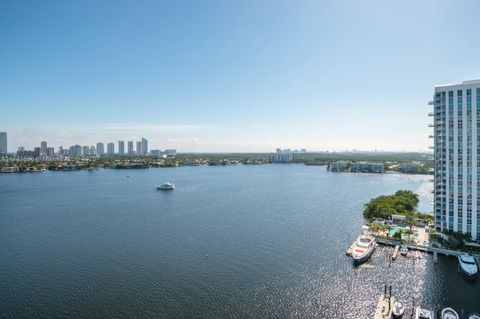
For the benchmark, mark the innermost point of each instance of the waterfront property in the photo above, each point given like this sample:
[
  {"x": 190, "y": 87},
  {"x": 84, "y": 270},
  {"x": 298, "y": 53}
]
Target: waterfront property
[
  {"x": 282, "y": 156},
  {"x": 356, "y": 167},
  {"x": 367, "y": 167},
  {"x": 456, "y": 147},
  {"x": 339, "y": 166},
  {"x": 9, "y": 169}
]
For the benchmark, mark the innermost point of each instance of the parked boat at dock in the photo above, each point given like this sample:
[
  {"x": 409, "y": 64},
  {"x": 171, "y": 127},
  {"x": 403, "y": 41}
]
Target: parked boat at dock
[
  {"x": 424, "y": 312},
  {"x": 474, "y": 316},
  {"x": 363, "y": 248},
  {"x": 468, "y": 265},
  {"x": 449, "y": 313}
]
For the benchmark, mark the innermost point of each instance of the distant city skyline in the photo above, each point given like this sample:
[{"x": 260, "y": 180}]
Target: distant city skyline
[
  {"x": 66, "y": 139},
  {"x": 46, "y": 150},
  {"x": 321, "y": 75}
]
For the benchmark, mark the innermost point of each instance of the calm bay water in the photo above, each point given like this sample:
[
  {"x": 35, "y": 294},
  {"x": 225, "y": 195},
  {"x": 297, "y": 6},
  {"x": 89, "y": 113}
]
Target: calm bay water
[{"x": 239, "y": 241}]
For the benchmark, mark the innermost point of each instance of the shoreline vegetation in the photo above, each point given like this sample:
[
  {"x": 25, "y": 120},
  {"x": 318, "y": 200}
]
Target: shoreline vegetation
[
  {"x": 386, "y": 212},
  {"x": 402, "y": 203},
  {"x": 417, "y": 163}
]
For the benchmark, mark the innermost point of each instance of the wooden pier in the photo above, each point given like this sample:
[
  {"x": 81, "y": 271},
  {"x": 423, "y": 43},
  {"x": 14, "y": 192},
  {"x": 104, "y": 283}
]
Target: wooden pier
[
  {"x": 384, "y": 307},
  {"x": 395, "y": 252},
  {"x": 428, "y": 249}
]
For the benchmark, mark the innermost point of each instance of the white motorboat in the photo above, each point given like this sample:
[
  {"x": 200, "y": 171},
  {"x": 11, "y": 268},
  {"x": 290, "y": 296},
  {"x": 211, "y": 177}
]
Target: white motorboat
[
  {"x": 474, "y": 316},
  {"x": 398, "y": 310},
  {"x": 403, "y": 250},
  {"x": 468, "y": 265},
  {"x": 424, "y": 312},
  {"x": 166, "y": 186},
  {"x": 449, "y": 313},
  {"x": 363, "y": 248}
]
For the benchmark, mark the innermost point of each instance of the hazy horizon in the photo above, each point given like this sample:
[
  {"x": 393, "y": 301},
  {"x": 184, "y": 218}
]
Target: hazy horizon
[{"x": 220, "y": 76}]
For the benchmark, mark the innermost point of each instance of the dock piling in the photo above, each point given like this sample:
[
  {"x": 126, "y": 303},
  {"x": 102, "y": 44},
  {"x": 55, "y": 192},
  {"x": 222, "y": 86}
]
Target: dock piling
[{"x": 395, "y": 252}]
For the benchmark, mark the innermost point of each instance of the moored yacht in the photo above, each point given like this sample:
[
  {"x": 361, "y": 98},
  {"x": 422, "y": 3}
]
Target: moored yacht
[
  {"x": 449, "y": 313},
  {"x": 363, "y": 248},
  {"x": 468, "y": 265},
  {"x": 474, "y": 316},
  {"x": 423, "y": 312},
  {"x": 166, "y": 186}
]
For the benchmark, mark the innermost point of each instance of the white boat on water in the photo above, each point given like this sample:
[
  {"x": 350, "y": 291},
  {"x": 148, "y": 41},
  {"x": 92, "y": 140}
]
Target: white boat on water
[
  {"x": 166, "y": 186},
  {"x": 468, "y": 265},
  {"x": 424, "y": 312},
  {"x": 403, "y": 250},
  {"x": 474, "y": 316},
  {"x": 363, "y": 248},
  {"x": 398, "y": 310},
  {"x": 449, "y": 313}
]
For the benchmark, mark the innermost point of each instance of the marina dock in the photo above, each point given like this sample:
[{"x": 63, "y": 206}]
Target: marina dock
[
  {"x": 395, "y": 252},
  {"x": 384, "y": 307},
  {"x": 427, "y": 249}
]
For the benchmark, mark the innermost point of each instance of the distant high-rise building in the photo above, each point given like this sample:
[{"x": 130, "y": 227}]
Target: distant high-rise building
[
  {"x": 43, "y": 148},
  {"x": 85, "y": 150},
  {"x": 139, "y": 148},
  {"x": 144, "y": 146},
  {"x": 3, "y": 143},
  {"x": 121, "y": 148},
  {"x": 36, "y": 152},
  {"x": 23, "y": 153},
  {"x": 111, "y": 149},
  {"x": 93, "y": 150},
  {"x": 76, "y": 150},
  {"x": 100, "y": 150},
  {"x": 456, "y": 156},
  {"x": 130, "y": 147},
  {"x": 50, "y": 151},
  {"x": 282, "y": 156},
  {"x": 60, "y": 150}
]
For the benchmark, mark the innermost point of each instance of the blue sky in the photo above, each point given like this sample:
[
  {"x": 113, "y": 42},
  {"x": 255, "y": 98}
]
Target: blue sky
[{"x": 231, "y": 75}]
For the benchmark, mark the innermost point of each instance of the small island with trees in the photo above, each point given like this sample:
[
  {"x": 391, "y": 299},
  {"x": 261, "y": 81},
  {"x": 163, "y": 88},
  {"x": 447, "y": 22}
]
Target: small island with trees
[
  {"x": 403, "y": 202},
  {"x": 385, "y": 207}
]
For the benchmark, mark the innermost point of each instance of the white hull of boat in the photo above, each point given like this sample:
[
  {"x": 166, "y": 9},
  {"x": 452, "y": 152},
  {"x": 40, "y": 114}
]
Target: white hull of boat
[
  {"x": 468, "y": 266},
  {"x": 449, "y": 313},
  {"x": 365, "y": 256},
  {"x": 424, "y": 313},
  {"x": 166, "y": 187}
]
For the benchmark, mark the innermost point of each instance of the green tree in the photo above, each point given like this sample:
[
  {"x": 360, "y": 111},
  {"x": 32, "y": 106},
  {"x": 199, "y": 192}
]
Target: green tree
[{"x": 401, "y": 203}]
